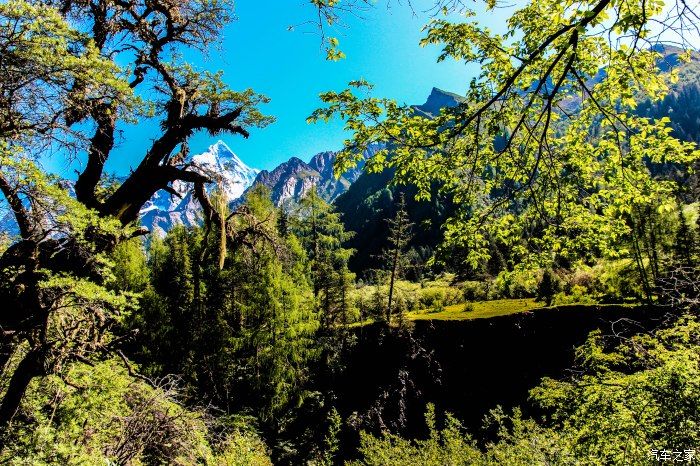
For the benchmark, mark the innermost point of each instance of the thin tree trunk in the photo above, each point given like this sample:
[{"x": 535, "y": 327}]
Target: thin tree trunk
[
  {"x": 639, "y": 259},
  {"x": 30, "y": 367},
  {"x": 394, "y": 266}
]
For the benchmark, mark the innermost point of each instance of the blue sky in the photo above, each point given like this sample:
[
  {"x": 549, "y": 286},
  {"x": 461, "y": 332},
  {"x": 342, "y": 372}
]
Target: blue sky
[{"x": 259, "y": 51}]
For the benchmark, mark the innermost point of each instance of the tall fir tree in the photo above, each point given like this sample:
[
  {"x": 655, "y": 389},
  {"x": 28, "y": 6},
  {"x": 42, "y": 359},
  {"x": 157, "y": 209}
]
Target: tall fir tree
[
  {"x": 322, "y": 234},
  {"x": 242, "y": 333},
  {"x": 395, "y": 259}
]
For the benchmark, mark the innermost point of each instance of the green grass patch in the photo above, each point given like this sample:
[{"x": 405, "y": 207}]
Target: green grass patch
[
  {"x": 478, "y": 310},
  {"x": 489, "y": 309}
]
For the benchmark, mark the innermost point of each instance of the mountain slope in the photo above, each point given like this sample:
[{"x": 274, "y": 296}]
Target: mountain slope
[
  {"x": 437, "y": 100},
  {"x": 289, "y": 180},
  {"x": 372, "y": 199}
]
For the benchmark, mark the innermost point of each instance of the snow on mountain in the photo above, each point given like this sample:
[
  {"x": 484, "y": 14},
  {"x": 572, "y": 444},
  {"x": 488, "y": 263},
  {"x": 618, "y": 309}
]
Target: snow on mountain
[
  {"x": 221, "y": 164},
  {"x": 164, "y": 210}
]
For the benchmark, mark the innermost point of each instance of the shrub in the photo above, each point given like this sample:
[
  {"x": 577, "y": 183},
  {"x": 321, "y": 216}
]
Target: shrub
[
  {"x": 617, "y": 281},
  {"x": 412, "y": 301},
  {"x": 516, "y": 284},
  {"x": 96, "y": 415},
  {"x": 475, "y": 291},
  {"x": 447, "y": 446},
  {"x": 453, "y": 296},
  {"x": 428, "y": 297},
  {"x": 582, "y": 276},
  {"x": 547, "y": 287},
  {"x": 577, "y": 295},
  {"x": 400, "y": 301},
  {"x": 437, "y": 306}
]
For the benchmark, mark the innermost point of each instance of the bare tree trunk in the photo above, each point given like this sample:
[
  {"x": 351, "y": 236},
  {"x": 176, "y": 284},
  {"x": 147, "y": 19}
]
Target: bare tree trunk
[{"x": 639, "y": 260}]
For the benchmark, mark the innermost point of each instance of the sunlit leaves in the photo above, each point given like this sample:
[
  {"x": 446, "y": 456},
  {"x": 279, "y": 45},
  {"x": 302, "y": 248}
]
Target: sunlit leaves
[
  {"x": 50, "y": 73},
  {"x": 333, "y": 52},
  {"x": 546, "y": 155}
]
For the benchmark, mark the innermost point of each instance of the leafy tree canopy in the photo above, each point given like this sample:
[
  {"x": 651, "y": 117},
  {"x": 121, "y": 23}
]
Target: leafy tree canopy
[{"x": 546, "y": 146}]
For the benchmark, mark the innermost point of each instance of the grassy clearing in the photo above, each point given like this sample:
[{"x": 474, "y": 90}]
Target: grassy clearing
[
  {"x": 477, "y": 310},
  {"x": 444, "y": 299},
  {"x": 487, "y": 310}
]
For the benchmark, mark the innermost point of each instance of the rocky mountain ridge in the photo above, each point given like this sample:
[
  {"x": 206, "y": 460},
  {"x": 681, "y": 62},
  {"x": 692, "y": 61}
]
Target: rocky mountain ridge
[{"x": 293, "y": 179}]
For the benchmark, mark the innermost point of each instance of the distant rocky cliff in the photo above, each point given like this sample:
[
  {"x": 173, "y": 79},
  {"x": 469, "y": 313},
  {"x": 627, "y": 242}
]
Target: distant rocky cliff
[{"x": 293, "y": 179}]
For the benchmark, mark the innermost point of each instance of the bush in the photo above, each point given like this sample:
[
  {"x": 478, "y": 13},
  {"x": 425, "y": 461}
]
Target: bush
[
  {"x": 607, "y": 281},
  {"x": 516, "y": 284},
  {"x": 437, "y": 306},
  {"x": 617, "y": 281},
  {"x": 475, "y": 291},
  {"x": 412, "y": 301},
  {"x": 448, "y": 446},
  {"x": 445, "y": 294},
  {"x": 453, "y": 296},
  {"x": 401, "y": 301},
  {"x": 429, "y": 296},
  {"x": 582, "y": 276},
  {"x": 577, "y": 295},
  {"x": 96, "y": 415}
]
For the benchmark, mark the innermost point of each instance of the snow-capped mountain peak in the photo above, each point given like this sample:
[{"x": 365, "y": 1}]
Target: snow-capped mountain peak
[{"x": 220, "y": 164}]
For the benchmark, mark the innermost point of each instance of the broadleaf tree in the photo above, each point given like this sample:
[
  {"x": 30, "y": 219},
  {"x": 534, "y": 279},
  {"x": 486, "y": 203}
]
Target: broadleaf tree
[{"x": 545, "y": 155}]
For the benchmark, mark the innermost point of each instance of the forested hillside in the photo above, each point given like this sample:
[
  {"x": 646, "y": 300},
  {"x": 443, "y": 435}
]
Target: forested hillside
[{"x": 505, "y": 276}]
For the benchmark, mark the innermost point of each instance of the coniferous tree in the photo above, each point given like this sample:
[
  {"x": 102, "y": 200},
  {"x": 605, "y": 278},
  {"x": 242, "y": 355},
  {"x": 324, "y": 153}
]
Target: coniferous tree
[
  {"x": 547, "y": 287},
  {"x": 164, "y": 321},
  {"x": 394, "y": 256},
  {"x": 242, "y": 335},
  {"x": 272, "y": 302},
  {"x": 322, "y": 235},
  {"x": 684, "y": 245}
]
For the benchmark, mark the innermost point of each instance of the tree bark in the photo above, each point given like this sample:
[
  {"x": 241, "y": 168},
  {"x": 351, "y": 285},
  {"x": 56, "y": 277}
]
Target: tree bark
[{"x": 101, "y": 146}]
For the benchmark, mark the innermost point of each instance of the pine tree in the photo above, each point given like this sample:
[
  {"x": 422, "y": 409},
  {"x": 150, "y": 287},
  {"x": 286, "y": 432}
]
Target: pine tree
[
  {"x": 270, "y": 303},
  {"x": 164, "y": 321},
  {"x": 247, "y": 340},
  {"x": 684, "y": 245},
  {"x": 394, "y": 256},
  {"x": 322, "y": 235},
  {"x": 547, "y": 287}
]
